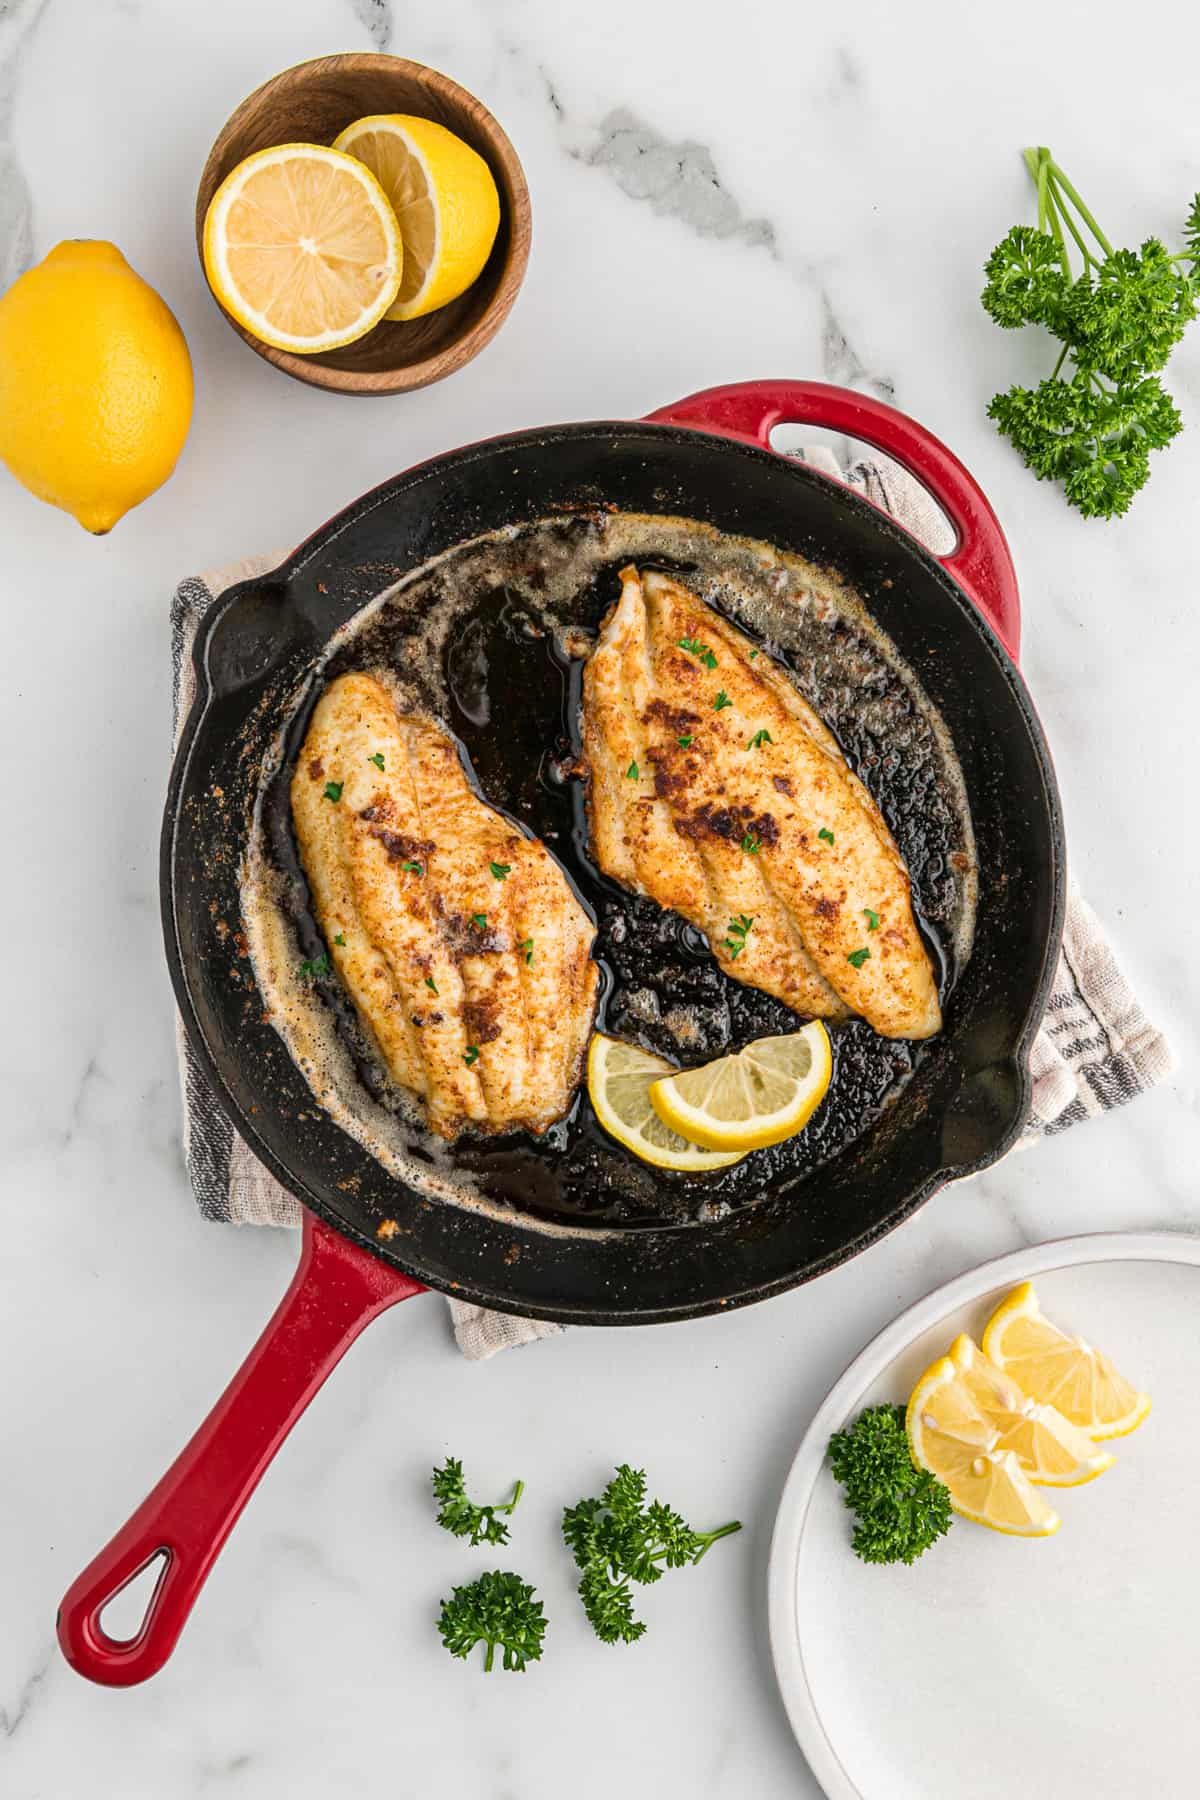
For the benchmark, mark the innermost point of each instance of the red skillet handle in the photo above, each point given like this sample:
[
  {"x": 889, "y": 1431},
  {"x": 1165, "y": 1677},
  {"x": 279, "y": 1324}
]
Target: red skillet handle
[
  {"x": 336, "y": 1290},
  {"x": 980, "y": 562}
]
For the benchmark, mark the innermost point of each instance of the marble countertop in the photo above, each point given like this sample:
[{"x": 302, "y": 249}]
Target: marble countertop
[{"x": 718, "y": 193}]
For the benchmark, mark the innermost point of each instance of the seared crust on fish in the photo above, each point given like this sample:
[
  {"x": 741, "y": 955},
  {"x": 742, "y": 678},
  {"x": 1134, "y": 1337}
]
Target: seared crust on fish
[
  {"x": 716, "y": 790},
  {"x": 459, "y": 940}
]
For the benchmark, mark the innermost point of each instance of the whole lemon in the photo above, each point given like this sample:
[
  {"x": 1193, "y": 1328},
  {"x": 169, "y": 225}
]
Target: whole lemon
[{"x": 95, "y": 384}]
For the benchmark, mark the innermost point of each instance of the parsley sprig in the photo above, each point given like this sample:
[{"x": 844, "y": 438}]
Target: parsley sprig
[
  {"x": 735, "y": 943},
  {"x": 498, "y": 1610},
  {"x": 695, "y": 648},
  {"x": 900, "y": 1510},
  {"x": 459, "y": 1515},
  {"x": 617, "y": 1539},
  {"x": 1093, "y": 421}
]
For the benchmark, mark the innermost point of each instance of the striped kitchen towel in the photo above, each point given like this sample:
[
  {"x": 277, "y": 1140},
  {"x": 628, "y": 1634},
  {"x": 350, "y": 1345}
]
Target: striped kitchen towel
[{"x": 1096, "y": 1048}]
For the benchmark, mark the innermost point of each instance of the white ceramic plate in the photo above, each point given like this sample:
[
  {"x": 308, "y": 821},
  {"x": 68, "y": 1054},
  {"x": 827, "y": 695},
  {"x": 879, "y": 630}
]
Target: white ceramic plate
[{"x": 999, "y": 1666}]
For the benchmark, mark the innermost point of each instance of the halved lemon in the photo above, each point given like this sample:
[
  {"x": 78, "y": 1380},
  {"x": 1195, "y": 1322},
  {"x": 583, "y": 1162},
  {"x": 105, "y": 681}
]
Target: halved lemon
[
  {"x": 301, "y": 246},
  {"x": 764, "y": 1093},
  {"x": 445, "y": 200},
  {"x": 619, "y": 1077},
  {"x": 1052, "y": 1451},
  {"x": 954, "y": 1440},
  {"x": 1060, "y": 1370}
]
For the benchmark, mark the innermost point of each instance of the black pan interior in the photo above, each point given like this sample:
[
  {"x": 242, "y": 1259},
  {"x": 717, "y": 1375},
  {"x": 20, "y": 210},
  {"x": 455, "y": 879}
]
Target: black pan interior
[{"x": 967, "y": 1096}]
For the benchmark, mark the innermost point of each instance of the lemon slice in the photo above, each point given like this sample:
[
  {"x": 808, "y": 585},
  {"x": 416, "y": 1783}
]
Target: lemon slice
[
  {"x": 1060, "y": 1370},
  {"x": 766, "y": 1092},
  {"x": 301, "y": 246},
  {"x": 445, "y": 200},
  {"x": 619, "y": 1077},
  {"x": 950, "y": 1436},
  {"x": 1052, "y": 1451}
]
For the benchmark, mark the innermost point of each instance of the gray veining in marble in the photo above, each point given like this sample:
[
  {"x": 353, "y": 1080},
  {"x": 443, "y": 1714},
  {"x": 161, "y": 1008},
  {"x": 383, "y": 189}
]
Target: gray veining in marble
[
  {"x": 17, "y": 20},
  {"x": 679, "y": 180},
  {"x": 376, "y": 15}
]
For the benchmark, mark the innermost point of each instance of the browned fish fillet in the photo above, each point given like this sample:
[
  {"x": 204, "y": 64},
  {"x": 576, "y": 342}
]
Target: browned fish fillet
[
  {"x": 716, "y": 790},
  {"x": 464, "y": 949}
]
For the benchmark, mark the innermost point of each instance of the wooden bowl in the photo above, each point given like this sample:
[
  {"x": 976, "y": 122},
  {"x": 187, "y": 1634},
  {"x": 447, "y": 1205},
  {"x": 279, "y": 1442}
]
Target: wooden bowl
[{"x": 311, "y": 104}]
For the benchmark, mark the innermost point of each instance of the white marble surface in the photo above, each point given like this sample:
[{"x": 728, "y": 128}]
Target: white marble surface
[{"x": 718, "y": 192}]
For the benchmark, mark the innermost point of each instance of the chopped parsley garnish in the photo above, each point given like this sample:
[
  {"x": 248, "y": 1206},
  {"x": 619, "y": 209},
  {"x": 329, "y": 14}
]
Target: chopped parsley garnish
[
  {"x": 479, "y": 921},
  {"x": 826, "y": 834},
  {"x": 694, "y": 647},
  {"x": 759, "y": 739},
  {"x": 683, "y": 742},
  {"x": 340, "y": 939},
  {"x": 872, "y": 919},
  {"x": 377, "y": 759},
  {"x": 857, "y": 958},
  {"x": 471, "y": 1055},
  {"x": 722, "y": 700},
  {"x": 735, "y": 943},
  {"x": 500, "y": 870},
  {"x": 333, "y": 790},
  {"x": 751, "y": 843},
  {"x": 414, "y": 868},
  {"x": 753, "y": 654},
  {"x": 527, "y": 947},
  {"x": 631, "y": 773},
  {"x": 431, "y": 984},
  {"x": 317, "y": 968}
]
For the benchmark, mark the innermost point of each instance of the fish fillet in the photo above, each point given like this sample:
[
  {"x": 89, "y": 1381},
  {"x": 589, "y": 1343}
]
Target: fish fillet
[
  {"x": 716, "y": 790},
  {"x": 459, "y": 940}
]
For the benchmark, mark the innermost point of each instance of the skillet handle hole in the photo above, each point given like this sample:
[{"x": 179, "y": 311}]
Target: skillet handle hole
[
  {"x": 125, "y": 1616},
  {"x": 888, "y": 484}
]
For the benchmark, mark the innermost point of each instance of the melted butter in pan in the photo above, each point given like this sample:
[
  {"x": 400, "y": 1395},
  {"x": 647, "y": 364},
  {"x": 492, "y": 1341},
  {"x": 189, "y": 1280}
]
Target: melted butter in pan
[{"x": 488, "y": 641}]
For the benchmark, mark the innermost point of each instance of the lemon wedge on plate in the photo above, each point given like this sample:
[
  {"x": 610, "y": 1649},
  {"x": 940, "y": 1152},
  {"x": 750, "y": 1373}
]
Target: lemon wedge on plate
[
  {"x": 619, "y": 1077},
  {"x": 1060, "y": 1370},
  {"x": 301, "y": 246},
  {"x": 1052, "y": 1451},
  {"x": 949, "y": 1435},
  {"x": 445, "y": 200},
  {"x": 764, "y": 1093}
]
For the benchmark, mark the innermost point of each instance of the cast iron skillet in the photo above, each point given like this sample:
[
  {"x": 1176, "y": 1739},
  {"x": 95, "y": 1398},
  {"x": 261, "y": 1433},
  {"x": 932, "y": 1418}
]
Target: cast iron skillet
[{"x": 953, "y": 620}]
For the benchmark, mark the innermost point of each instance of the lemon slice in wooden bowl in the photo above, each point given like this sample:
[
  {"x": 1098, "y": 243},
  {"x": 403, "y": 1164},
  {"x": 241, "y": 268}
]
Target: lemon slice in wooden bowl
[
  {"x": 302, "y": 248},
  {"x": 445, "y": 201}
]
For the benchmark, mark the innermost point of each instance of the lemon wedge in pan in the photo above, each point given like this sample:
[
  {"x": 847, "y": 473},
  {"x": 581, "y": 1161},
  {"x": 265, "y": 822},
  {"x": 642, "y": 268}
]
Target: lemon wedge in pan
[
  {"x": 764, "y": 1093},
  {"x": 619, "y": 1077}
]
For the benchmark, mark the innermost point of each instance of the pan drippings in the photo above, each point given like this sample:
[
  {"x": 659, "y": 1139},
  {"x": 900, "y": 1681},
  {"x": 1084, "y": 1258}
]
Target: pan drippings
[{"x": 489, "y": 641}]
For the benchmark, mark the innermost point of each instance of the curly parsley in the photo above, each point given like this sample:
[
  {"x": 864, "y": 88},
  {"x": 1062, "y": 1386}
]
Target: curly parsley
[
  {"x": 1093, "y": 421},
  {"x": 617, "y": 1539},
  {"x": 900, "y": 1510}
]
